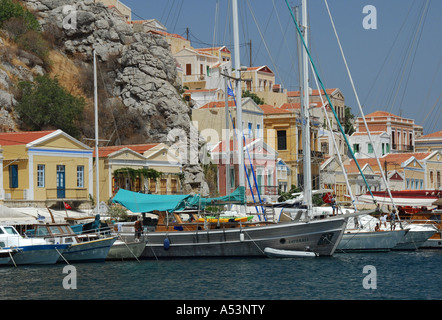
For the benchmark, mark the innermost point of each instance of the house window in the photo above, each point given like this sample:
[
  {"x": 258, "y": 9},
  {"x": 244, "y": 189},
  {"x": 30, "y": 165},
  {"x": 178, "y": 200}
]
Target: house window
[
  {"x": 232, "y": 178},
  {"x": 80, "y": 176},
  {"x": 249, "y": 126},
  {"x": 270, "y": 177},
  {"x": 388, "y": 148},
  {"x": 258, "y": 127},
  {"x": 188, "y": 69},
  {"x": 282, "y": 139},
  {"x": 250, "y": 177},
  {"x": 438, "y": 180},
  {"x": 370, "y": 148},
  {"x": 393, "y": 139},
  {"x": 356, "y": 147},
  {"x": 40, "y": 175},
  {"x": 13, "y": 176}
]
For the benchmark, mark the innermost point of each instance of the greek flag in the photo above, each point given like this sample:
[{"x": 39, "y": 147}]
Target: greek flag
[{"x": 230, "y": 91}]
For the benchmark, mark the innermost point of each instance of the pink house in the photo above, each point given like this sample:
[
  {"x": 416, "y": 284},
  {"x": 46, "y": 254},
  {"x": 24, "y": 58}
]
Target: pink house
[{"x": 259, "y": 158}]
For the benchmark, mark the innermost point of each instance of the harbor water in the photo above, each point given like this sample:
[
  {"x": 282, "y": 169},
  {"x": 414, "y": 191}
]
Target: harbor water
[{"x": 392, "y": 275}]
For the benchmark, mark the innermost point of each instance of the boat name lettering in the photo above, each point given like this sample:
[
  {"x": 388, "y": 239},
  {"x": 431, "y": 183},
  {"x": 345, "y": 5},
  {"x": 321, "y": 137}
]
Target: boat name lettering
[{"x": 300, "y": 240}]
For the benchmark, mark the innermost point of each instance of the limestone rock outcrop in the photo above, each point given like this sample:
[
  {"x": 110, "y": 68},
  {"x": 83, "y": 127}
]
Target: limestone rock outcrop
[{"x": 145, "y": 77}]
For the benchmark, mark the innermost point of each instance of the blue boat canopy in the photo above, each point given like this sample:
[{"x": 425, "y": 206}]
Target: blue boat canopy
[{"x": 141, "y": 202}]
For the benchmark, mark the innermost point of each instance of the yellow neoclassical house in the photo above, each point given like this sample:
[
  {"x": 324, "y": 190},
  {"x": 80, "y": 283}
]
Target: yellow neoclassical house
[
  {"x": 123, "y": 167},
  {"x": 41, "y": 168}
]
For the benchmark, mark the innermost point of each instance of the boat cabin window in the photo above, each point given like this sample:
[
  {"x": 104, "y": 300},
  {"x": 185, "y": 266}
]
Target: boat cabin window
[
  {"x": 55, "y": 230},
  {"x": 68, "y": 240},
  {"x": 1, "y": 231},
  {"x": 10, "y": 230},
  {"x": 2, "y": 244},
  {"x": 41, "y": 231},
  {"x": 66, "y": 229}
]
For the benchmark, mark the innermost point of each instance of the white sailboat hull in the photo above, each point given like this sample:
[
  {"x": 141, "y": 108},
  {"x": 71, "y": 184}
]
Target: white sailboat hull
[
  {"x": 360, "y": 240},
  {"x": 415, "y": 237}
]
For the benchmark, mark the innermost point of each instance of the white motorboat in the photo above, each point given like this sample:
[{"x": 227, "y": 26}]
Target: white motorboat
[
  {"x": 277, "y": 253},
  {"x": 29, "y": 251},
  {"x": 83, "y": 248}
]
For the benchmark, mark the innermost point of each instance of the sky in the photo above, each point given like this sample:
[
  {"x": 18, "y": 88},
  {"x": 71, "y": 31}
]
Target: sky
[{"x": 396, "y": 67}]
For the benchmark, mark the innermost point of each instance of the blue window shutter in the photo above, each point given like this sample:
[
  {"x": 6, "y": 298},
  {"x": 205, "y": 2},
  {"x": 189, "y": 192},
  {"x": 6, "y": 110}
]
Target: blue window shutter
[{"x": 13, "y": 176}]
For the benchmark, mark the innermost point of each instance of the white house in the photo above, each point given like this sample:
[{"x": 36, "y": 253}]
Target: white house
[{"x": 363, "y": 148}]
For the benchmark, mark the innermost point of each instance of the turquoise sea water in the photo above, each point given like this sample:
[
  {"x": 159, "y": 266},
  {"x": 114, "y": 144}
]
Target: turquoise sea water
[{"x": 392, "y": 276}]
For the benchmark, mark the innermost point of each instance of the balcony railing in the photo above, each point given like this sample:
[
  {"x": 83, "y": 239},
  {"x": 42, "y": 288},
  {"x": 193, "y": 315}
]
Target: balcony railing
[{"x": 402, "y": 147}]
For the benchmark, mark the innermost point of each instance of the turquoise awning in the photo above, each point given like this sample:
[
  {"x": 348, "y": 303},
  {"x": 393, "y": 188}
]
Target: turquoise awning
[
  {"x": 238, "y": 197},
  {"x": 141, "y": 202}
]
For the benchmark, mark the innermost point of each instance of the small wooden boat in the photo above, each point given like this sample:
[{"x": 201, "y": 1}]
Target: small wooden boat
[{"x": 277, "y": 253}]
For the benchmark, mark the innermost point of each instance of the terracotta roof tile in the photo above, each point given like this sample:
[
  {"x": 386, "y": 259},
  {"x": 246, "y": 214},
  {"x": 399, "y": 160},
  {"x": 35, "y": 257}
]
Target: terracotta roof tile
[
  {"x": 218, "y": 104},
  {"x": 380, "y": 114},
  {"x": 268, "y": 109},
  {"x": 437, "y": 134},
  {"x": 139, "y": 148},
  {"x": 292, "y": 105},
  {"x": 23, "y": 137},
  {"x": 392, "y": 159}
]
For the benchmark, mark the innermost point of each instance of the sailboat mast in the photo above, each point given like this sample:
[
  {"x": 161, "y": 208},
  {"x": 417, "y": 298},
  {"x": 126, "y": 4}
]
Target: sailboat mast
[
  {"x": 305, "y": 119},
  {"x": 239, "y": 125},
  {"x": 227, "y": 134},
  {"x": 97, "y": 196}
]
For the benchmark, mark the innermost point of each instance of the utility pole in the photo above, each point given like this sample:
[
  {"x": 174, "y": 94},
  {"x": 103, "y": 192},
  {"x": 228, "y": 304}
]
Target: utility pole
[
  {"x": 250, "y": 52},
  {"x": 187, "y": 33}
]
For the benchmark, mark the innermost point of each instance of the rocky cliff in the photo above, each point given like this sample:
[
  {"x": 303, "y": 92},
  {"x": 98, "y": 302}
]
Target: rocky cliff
[{"x": 137, "y": 72}]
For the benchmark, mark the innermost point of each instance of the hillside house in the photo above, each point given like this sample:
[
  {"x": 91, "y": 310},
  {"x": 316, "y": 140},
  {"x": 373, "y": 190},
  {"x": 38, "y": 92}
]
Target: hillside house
[{"x": 41, "y": 168}]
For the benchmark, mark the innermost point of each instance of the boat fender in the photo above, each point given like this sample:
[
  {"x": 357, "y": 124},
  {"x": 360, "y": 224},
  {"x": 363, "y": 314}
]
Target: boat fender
[
  {"x": 166, "y": 244},
  {"x": 241, "y": 237}
]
